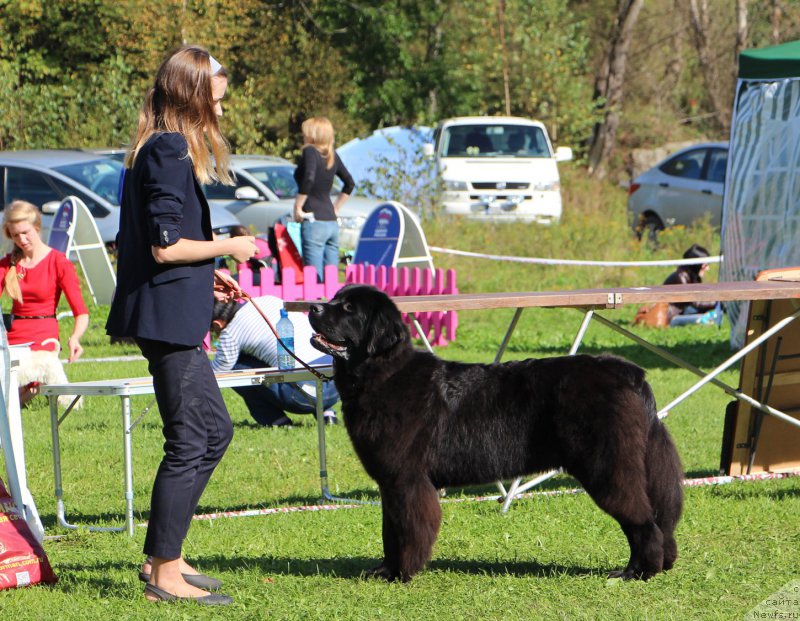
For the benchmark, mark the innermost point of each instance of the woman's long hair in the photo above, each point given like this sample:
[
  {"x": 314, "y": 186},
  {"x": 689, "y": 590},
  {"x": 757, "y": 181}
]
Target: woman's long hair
[
  {"x": 318, "y": 133},
  {"x": 18, "y": 211},
  {"x": 180, "y": 100}
]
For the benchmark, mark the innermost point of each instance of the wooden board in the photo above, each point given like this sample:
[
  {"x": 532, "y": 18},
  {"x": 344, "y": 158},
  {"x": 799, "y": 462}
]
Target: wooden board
[
  {"x": 594, "y": 298},
  {"x": 773, "y": 380}
]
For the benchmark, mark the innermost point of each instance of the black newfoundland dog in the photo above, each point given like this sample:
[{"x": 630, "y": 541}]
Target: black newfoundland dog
[{"x": 419, "y": 423}]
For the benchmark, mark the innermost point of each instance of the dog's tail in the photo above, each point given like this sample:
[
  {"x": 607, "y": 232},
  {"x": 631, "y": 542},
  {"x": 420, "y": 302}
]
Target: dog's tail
[{"x": 664, "y": 477}]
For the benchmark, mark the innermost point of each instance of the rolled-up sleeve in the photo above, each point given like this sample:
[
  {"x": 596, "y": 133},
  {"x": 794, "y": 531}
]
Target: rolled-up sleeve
[
  {"x": 345, "y": 176},
  {"x": 167, "y": 175},
  {"x": 308, "y": 166}
]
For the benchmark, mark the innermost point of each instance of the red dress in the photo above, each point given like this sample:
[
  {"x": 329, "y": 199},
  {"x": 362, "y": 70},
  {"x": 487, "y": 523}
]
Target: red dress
[{"x": 41, "y": 288}]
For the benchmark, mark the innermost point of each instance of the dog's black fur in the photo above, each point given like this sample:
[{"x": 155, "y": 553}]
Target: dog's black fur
[{"x": 419, "y": 423}]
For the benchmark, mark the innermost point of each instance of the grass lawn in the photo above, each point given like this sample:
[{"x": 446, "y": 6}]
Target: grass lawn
[{"x": 546, "y": 559}]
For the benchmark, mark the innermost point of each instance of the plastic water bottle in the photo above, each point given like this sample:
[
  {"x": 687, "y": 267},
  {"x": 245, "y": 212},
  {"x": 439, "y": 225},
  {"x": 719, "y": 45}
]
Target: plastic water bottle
[{"x": 285, "y": 331}]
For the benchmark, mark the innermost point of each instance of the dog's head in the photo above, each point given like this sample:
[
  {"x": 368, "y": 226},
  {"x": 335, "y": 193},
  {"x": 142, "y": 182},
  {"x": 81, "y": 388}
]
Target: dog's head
[{"x": 360, "y": 321}]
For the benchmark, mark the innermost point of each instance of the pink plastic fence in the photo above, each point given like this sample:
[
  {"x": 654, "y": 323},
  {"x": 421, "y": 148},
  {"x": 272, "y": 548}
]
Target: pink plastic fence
[{"x": 439, "y": 327}]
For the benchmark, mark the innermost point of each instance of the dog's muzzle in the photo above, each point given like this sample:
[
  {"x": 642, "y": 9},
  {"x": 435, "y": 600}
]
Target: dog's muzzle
[{"x": 336, "y": 350}]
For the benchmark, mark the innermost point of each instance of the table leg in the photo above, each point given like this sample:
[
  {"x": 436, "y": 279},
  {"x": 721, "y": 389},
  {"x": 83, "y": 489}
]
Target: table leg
[
  {"x": 323, "y": 460},
  {"x": 55, "y": 423},
  {"x": 509, "y": 331},
  {"x": 127, "y": 452}
]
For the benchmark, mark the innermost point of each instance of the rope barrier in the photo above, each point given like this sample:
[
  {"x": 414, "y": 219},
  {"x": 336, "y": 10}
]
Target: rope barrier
[
  {"x": 699, "y": 482},
  {"x": 543, "y": 261}
]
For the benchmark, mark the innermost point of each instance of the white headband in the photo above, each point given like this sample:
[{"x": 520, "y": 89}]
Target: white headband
[{"x": 215, "y": 66}]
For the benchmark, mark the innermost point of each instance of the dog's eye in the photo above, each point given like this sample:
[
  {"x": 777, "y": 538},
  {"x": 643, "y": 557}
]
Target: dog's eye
[{"x": 348, "y": 308}]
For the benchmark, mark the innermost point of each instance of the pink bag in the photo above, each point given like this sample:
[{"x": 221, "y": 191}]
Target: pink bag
[{"x": 22, "y": 558}]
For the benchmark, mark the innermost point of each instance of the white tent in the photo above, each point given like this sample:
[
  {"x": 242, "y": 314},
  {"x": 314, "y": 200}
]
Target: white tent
[{"x": 761, "y": 208}]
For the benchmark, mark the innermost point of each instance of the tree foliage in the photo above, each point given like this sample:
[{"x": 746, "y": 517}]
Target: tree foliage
[{"x": 73, "y": 72}]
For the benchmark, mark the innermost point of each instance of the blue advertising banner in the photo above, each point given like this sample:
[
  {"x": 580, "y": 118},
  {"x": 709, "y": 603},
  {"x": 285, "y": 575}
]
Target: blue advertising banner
[
  {"x": 60, "y": 230},
  {"x": 380, "y": 236}
]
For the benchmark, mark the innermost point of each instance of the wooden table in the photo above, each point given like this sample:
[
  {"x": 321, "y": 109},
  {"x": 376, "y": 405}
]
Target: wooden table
[{"x": 589, "y": 301}]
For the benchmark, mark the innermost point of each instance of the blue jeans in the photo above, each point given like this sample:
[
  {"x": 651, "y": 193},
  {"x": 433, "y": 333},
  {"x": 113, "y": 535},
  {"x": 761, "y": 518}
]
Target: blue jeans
[
  {"x": 268, "y": 404},
  {"x": 320, "y": 244}
]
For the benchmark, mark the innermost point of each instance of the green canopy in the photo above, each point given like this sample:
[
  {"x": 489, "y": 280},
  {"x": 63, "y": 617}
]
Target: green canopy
[{"x": 775, "y": 62}]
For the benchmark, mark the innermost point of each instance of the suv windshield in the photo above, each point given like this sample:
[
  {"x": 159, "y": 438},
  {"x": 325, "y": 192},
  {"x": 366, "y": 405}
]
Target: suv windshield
[
  {"x": 494, "y": 141},
  {"x": 99, "y": 176}
]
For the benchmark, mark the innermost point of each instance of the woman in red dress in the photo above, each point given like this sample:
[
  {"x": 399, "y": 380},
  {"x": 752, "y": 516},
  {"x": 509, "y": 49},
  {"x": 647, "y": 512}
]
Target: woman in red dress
[{"x": 34, "y": 276}]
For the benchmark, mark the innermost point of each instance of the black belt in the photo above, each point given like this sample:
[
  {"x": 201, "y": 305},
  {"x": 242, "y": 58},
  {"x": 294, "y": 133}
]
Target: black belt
[{"x": 33, "y": 316}]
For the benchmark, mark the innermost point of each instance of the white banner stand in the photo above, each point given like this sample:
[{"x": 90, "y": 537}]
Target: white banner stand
[
  {"x": 12, "y": 439},
  {"x": 74, "y": 232}
]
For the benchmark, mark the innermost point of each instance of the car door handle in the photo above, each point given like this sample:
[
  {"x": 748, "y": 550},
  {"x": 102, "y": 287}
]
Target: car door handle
[
  {"x": 706, "y": 191},
  {"x": 664, "y": 185}
]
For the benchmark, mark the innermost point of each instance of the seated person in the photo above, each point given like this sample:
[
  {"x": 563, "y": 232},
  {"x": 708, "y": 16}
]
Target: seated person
[
  {"x": 516, "y": 144},
  {"x": 246, "y": 342},
  {"x": 689, "y": 274}
]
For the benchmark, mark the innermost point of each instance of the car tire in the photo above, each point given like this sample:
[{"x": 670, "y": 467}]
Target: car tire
[{"x": 649, "y": 227}]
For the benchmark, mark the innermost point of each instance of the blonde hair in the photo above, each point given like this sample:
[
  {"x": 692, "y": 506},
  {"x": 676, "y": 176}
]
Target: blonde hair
[
  {"x": 318, "y": 133},
  {"x": 18, "y": 211},
  {"x": 180, "y": 100}
]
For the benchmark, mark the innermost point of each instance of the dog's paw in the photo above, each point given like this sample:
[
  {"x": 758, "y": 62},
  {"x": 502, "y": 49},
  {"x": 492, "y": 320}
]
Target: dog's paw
[
  {"x": 631, "y": 574},
  {"x": 381, "y": 571}
]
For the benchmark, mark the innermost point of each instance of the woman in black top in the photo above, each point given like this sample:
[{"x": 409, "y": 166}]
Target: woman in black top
[{"x": 313, "y": 207}]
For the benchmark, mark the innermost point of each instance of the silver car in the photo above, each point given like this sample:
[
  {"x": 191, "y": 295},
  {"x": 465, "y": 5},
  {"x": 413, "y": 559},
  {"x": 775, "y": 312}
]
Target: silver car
[
  {"x": 684, "y": 187},
  {"x": 265, "y": 191},
  {"x": 223, "y": 222},
  {"x": 46, "y": 177}
]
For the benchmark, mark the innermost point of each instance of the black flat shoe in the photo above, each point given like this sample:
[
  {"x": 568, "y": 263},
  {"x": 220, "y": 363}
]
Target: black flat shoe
[
  {"x": 212, "y": 599},
  {"x": 201, "y": 581}
]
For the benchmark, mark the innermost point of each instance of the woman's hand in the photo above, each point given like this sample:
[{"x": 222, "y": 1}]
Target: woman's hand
[
  {"x": 75, "y": 348},
  {"x": 226, "y": 288},
  {"x": 243, "y": 247}
]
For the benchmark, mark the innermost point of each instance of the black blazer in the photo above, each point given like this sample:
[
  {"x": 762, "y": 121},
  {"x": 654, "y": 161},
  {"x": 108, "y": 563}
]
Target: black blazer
[{"x": 162, "y": 203}]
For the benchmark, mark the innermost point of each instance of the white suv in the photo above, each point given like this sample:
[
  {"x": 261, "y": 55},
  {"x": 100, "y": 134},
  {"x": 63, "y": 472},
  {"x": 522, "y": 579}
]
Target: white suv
[{"x": 499, "y": 168}]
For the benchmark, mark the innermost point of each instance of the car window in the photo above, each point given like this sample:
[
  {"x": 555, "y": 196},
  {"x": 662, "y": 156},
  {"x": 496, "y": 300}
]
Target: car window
[
  {"x": 29, "y": 185},
  {"x": 687, "y": 165},
  {"x": 494, "y": 141},
  {"x": 96, "y": 209},
  {"x": 279, "y": 179},
  {"x": 100, "y": 176},
  {"x": 219, "y": 191},
  {"x": 717, "y": 165}
]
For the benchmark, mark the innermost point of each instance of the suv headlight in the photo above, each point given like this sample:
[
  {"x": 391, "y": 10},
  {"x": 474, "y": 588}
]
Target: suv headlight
[
  {"x": 455, "y": 186},
  {"x": 549, "y": 186}
]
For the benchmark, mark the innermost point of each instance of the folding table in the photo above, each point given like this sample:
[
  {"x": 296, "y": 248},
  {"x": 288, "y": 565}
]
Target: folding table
[
  {"x": 126, "y": 388},
  {"x": 589, "y": 301}
]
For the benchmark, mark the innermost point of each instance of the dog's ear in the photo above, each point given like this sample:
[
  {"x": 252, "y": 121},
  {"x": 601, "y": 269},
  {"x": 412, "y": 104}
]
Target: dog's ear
[{"x": 385, "y": 331}]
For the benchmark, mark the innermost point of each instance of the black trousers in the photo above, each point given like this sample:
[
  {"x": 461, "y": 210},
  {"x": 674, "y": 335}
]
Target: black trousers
[{"x": 197, "y": 430}]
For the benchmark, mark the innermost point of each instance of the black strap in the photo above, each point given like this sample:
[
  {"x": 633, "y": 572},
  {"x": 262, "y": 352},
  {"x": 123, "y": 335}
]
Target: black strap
[{"x": 33, "y": 316}]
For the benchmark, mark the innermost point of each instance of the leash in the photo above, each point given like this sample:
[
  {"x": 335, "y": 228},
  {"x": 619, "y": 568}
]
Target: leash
[{"x": 306, "y": 366}]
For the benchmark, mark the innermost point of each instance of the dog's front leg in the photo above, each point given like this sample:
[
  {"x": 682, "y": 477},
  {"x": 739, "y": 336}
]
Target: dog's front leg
[
  {"x": 411, "y": 516},
  {"x": 389, "y": 569}
]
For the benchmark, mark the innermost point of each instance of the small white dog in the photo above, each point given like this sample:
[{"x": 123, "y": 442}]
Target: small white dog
[{"x": 44, "y": 367}]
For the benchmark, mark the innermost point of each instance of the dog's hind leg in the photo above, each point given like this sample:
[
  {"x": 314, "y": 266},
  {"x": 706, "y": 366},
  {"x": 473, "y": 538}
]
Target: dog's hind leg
[
  {"x": 624, "y": 497},
  {"x": 664, "y": 487},
  {"x": 411, "y": 519}
]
